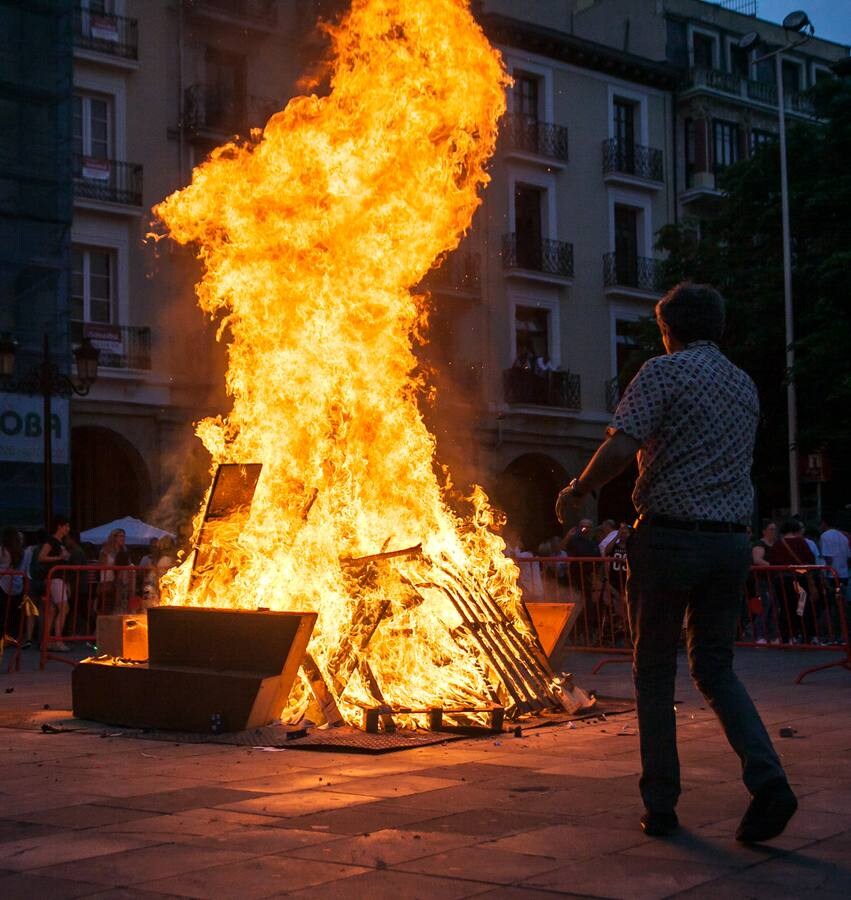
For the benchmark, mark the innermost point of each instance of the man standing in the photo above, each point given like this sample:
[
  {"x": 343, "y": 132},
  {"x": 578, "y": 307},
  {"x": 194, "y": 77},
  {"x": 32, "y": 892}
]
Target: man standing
[
  {"x": 835, "y": 549},
  {"x": 691, "y": 417}
]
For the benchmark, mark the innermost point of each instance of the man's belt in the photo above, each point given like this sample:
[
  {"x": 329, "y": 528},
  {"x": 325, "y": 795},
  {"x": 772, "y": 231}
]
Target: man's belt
[{"x": 692, "y": 524}]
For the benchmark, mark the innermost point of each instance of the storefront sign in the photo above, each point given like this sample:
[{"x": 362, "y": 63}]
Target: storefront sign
[{"x": 21, "y": 429}]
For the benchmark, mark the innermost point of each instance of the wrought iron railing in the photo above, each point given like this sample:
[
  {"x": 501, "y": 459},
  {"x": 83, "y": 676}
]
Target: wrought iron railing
[
  {"x": 559, "y": 389},
  {"x": 531, "y": 136},
  {"x": 255, "y": 12},
  {"x": 622, "y": 270},
  {"x": 108, "y": 180},
  {"x": 106, "y": 33},
  {"x": 613, "y": 393},
  {"x": 541, "y": 255},
  {"x": 120, "y": 346},
  {"x": 632, "y": 159},
  {"x": 210, "y": 107},
  {"x": 459, "y": 273}
]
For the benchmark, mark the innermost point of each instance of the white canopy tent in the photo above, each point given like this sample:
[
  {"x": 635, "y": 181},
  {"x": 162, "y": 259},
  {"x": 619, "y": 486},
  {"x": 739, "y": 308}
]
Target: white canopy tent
[{"x": 137, "y": 532}]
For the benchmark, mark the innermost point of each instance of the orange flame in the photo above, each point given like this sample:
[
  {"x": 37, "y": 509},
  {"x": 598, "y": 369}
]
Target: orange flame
[{"x": 312, "y": 238}]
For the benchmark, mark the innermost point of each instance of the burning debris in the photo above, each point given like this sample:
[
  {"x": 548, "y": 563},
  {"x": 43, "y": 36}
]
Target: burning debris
[{"x": 312, "y": 237}]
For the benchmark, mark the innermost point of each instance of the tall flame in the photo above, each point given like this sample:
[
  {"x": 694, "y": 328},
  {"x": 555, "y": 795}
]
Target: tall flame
[{"x": 312, "y": 238}]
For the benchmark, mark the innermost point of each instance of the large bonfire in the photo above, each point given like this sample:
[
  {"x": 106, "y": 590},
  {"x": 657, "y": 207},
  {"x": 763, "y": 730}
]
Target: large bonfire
[{"x": 312, "y": 237}]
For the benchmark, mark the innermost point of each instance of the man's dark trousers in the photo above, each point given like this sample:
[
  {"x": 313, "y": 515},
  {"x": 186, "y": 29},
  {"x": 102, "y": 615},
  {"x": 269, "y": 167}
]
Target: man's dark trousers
[{"x": 700, "y": 575}]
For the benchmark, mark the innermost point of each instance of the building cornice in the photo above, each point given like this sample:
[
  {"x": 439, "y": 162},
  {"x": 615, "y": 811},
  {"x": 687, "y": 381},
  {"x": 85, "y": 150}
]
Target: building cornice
[{"x": 577, "y": 51}]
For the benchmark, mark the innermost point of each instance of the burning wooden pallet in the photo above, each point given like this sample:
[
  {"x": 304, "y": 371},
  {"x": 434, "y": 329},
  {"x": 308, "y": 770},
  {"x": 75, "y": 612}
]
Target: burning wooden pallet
[{"x": 510, "y": 660}]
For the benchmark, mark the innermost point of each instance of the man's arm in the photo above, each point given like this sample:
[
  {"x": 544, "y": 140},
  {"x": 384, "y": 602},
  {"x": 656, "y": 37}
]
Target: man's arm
[{"x": 611, "y": 458}]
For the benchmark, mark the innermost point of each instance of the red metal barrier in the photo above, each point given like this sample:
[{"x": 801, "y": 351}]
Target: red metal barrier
[
  {"x": 86, "y": 592},
  {"x": 15, "y": 586},
  {"x": 783, "y": 607}
]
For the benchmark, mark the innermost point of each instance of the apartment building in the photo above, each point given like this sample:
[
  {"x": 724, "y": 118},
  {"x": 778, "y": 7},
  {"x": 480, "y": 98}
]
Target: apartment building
[
  {"x": 582, "y": 180},
  {"x": 726, "y": 97},
  {"x": 621, "y": 116},
  {"x": 150, "y": 87}
]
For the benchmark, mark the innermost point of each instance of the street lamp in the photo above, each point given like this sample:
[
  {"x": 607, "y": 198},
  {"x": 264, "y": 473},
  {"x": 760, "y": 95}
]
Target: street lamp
[
  {"x": 798, "y": 30},
  {"x": 46, "y": 379}
]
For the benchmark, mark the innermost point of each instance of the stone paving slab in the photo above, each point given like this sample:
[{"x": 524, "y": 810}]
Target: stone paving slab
[{"x": 553, "y": 812}]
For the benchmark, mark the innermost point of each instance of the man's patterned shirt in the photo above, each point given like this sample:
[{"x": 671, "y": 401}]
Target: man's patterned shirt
[{"x": 695, "y": 414}]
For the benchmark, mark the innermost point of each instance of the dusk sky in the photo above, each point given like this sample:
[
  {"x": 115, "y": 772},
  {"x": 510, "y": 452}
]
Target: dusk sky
[{"x": 831, "y": 18}]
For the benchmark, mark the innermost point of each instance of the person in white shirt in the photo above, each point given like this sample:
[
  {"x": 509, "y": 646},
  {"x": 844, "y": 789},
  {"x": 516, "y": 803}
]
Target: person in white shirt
[{"x": 835, "y": 550}]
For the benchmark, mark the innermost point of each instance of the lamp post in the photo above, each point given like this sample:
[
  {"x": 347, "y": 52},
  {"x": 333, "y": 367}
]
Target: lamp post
[
  {"x": 46, "y": 379},
  {"x": 796, "y": 23}
]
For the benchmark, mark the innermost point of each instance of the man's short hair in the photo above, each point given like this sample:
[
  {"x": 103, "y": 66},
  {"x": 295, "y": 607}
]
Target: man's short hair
[
  {"x": 791, "y": 526},
  {"x": 692, "y": 312}
]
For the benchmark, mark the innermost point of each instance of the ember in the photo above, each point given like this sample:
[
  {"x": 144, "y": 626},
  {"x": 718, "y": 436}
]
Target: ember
[{"x": 312, "y": 237}]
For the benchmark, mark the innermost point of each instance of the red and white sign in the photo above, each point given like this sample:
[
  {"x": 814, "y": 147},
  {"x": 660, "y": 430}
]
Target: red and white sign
[
  {"x": 104, "y": 337},
  {"x": 95, "y": 169},
  {"x": 103, "y": 28}
]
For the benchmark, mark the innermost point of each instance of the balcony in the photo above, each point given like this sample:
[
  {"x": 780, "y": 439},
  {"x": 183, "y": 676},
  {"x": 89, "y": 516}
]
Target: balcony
[
  {"x": 630, "y": 275},
  {"x": 116, "y": 36},
  {"x": 215, "y": 114},
  {"x": 459, "y": 275},
  {"x": 107, "y": 181},
  {"x": 256, "y": 15},
  {"x": 121, "y": 346},
  {"x": 632, "y": 163},
  {"x": 526, "y": 137},
  {"x": 746, "y": 91},
  {"x": 562, "y": 390},
  {"x": 552, "y": 259}
]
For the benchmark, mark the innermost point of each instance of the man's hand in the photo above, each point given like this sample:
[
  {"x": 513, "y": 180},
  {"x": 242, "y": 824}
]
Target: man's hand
[{"x": 569, "y": 500}]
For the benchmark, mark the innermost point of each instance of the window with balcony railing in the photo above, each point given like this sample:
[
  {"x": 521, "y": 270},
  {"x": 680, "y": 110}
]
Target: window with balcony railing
[
  {"x": 626, "y": 270},
  {"x": 120, "y": 346},
  {"x": 619, "y": 156},
  {"x": 537, "y": 255},
  {"x": 528, "y": 134},
  {"x": 108, "y": 180},
  {"x": 101, "y": 31},
  {"x": 562, "y": 390}
]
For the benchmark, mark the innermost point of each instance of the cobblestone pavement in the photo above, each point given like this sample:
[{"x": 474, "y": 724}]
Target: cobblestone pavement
[{"x": 552, "y": 812}]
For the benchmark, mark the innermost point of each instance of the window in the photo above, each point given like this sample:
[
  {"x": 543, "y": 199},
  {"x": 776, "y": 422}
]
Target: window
[
  {"x": 92, "y": 285},
  {"x": 703, "y": 47},
  {"x": 92, "y": 126},
  {"x": 528, "y": 208},
  {"x": 821, "y": 74},
  {"x": 688, "y": 140},
  {"x": 526, "y": 96},
  {"x": 626, "y": 341},
  {"x": 760, "y": 137},
  {"x": 791, "y": 73},
  {"x": 626, "y": 244},
  {"x": 225, "y": 94},
  {"x": 726, "y": 143},
  {"x": 532, "y": 333},
  {"x": 739, "y": 61}
]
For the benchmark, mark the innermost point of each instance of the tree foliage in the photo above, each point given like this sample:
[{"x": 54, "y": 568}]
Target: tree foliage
[{"x": 740, "y": 251}]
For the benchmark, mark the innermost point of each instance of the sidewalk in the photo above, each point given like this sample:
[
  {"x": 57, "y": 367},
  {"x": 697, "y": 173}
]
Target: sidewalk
[{"x": 553, "y": 812}]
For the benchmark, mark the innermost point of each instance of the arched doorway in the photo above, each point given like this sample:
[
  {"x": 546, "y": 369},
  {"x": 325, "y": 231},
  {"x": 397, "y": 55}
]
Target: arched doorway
[
  {"x": 526, "y": 491},
  {"x": 615, "y": 501},
  {"x": 109, "y": 478}
]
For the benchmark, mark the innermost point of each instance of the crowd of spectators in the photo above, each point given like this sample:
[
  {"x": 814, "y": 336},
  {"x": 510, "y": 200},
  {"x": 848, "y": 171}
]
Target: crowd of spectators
[
  {"x": 116, "y": 579},
  {"x": 587, "y": 566}
]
